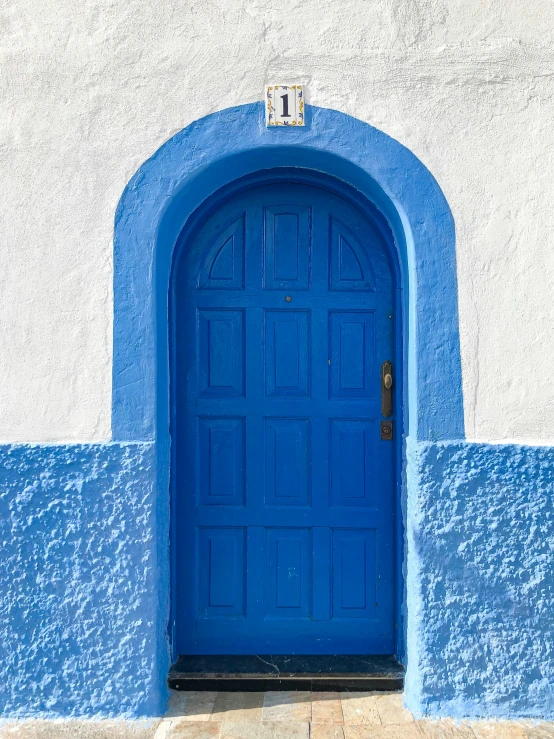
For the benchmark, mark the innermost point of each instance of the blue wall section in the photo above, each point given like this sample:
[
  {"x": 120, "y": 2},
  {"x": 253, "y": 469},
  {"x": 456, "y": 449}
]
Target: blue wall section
[
  {"x": 83, "y": 607},
  {"x": 481, "y": 580}
]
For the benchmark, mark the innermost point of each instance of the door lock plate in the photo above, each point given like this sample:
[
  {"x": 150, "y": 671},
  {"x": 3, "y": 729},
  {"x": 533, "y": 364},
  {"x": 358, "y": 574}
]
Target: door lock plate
[
  {"x": 386, "y": 430},
  {"x": 386, "y": 389}
]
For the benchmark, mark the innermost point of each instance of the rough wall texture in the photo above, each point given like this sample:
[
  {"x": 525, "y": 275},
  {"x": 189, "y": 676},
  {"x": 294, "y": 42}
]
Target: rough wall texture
[
  {"x": 83, "y": 605},
  {"x": 480, "y": 580},
  {"x": 90, "y": 90}
]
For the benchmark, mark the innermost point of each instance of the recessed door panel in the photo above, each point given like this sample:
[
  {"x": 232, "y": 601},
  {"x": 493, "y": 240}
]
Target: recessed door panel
[
  {"x": 221, "y": 461},
  {"x": 284, "y": 512},
  {"x": 353, "y": 369},
  {"x": 287, "y": 353},
  {"x": 287, "y": 461},
  {"x": 353, "y": 451},
  {"x": 221, "y": 353},
  {"x": 289, "y": 575},
  {"x": 354, "y": 574},
  {"x": 223, "y": 266},
  {"x": 221, "y": 558},
  {"x": 287, "y": 247}
]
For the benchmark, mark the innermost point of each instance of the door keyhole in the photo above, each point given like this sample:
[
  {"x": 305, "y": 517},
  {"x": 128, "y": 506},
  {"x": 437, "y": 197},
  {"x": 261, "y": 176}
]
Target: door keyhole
[{"x": 288, "y": 299}]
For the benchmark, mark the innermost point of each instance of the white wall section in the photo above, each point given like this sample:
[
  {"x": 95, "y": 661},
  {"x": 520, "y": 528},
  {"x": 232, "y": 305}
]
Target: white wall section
[{"x": 90, "y": 90}]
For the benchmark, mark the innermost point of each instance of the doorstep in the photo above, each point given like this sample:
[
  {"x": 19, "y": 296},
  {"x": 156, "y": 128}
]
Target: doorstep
[{"x": 286, "y": 672}]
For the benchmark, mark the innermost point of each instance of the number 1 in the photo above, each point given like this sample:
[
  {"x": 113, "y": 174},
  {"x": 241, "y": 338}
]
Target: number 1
[{"x": 285, "y": 99}]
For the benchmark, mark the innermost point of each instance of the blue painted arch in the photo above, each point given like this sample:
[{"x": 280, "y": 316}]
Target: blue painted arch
[{"x": 233, "y": 143}]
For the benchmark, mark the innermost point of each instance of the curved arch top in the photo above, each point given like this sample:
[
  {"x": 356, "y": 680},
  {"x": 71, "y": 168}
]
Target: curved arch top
[{"x": 233, "y": 143}]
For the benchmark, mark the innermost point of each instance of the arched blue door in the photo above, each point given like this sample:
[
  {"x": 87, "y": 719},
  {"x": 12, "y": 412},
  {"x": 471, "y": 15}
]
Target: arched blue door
[{"x": 284, "y": 489}]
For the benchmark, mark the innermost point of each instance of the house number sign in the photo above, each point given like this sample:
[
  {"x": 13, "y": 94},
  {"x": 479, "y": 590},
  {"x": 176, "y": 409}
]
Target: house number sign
[{"x": 284, "y": 105}]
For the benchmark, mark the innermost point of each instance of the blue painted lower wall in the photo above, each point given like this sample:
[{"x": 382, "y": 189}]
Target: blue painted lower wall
[
  {"x": 480, "y": 580},
  {"x": 85, "y": 580},
  {"x": 84, "y": 583}
]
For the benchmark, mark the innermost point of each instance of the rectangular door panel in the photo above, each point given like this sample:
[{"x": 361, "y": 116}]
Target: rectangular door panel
[
  {"x": 288, "y": 573},
  {"x": 353, "y": 463},
  {"x": 353, "y": 372},
  {"x": 287, "y": 354},
  {"x": 287, "y": 247},
  {"x": 221, "y": 572},
  {"x": 221, "y": 353},
  {"x": 287, "y": 461},
  {"x": 221, "y": 465},
  {"x": 354, "y": 573}
]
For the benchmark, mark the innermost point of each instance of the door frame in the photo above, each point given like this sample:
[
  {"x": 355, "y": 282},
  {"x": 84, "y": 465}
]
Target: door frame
[
  {"x": 159, "y": 199},
  {"x": 309, "y": 177}
]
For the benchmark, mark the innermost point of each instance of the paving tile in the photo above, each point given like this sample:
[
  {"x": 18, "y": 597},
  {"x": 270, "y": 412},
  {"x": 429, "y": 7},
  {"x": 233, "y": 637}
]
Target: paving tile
[
  {"x": 360, "y": 708},
  {"x": 326, "y": 708},
  {"x": 163, "y": 729},
  {"x": 391, "y": 709},
  {"x": 390, "y": 731},
  {"x": 538, "y": 729},
  {"x": 194, "y": 730},
  {"x": 55, "y": 729},
  {"x": 445, "y": 729},
  {"x": 498, "y": 730},
  {"x": 191, "y": 705},
  {"x": 294, "y": 705},
  {"x": 265, "y": 730},
  {"x": 326, "y": 731},
  {"x": 238, "y": 707}
]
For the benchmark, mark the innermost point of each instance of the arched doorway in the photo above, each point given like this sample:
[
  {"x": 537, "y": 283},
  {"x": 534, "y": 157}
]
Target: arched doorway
[
  {"x": 285, "y": 450},
  {"x": 162, "y": 197}
]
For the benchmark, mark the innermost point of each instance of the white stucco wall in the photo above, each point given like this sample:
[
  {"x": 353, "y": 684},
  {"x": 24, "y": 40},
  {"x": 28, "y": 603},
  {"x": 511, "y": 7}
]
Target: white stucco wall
[{"x": 91, "y": 89}]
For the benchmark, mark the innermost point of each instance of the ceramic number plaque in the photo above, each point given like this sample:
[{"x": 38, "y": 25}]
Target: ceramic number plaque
[{"x": 284, "y": 105}]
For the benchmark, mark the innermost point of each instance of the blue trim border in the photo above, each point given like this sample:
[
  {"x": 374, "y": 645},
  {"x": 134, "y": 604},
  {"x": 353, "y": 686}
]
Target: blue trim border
[{"x": 232, "y": 143}]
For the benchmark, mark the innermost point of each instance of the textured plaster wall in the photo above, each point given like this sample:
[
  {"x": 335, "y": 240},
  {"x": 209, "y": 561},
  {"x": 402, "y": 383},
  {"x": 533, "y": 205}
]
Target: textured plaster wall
[
  {"x": 84, "y": 594},
  {"x": 90, "y": 90},
  {"x": 84, "y": 580},
  {"x": 480, "y": 580}
]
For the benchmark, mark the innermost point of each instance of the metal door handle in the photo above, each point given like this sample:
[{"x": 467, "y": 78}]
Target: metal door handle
[{"x": 386, "y": 389}]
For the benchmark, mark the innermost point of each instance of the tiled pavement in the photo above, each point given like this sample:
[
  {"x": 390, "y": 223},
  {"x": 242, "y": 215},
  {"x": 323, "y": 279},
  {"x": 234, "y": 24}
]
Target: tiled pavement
[
  {"x": 280, "y": 715},
  {"x": 305, "y": 715}
]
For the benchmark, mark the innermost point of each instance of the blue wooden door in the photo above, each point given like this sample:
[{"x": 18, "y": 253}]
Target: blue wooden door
[{"x": 284, "y": 530}]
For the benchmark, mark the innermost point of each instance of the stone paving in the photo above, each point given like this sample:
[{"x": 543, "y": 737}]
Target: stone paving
[{"x": 281, "y": 715}]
